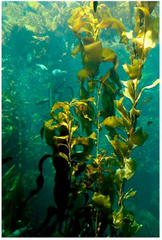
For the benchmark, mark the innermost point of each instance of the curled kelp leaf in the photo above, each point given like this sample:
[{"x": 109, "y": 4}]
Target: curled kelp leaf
[
  {"x": 108, "y": 55},
  {"x": 110, "y": 22},
  {"x": 77, "y": 25},
  {"x": 139, "y": 137},
  {"x": 149, "y": 5},
  {"x": 125, "y": 173},
  {"x": 75, "y": 13},
  {"x": 143, "y": 12},
  {"x": 151, "y": 38},
  {"x": 122, "y": 111},
  {"x": 130, "y": 167},
  {"x": 91, "y": 170},
  {"x": 120, "y": 148},
  {"x": 134, "y": 113},
  {"x": 83, "y": 29},
  {"x": 146, "y": 40},
  {"x": 157, "y": 81},
  {"x": 86, "y": 142},
  {"x": 128, "y": 35},
  {"x": 134, "y": 70},
  {"x": 102, "y": 202},
  {"x": 129, "y": 90},
  {"x": 113, "y": 122},
  {"x": 92, "y": 58},
  {"x": 79, "y": 167},
  {"x": 49, "y": 132},
  {"x": 64, "y": 105},
  {"x": 82, "y": 75}
]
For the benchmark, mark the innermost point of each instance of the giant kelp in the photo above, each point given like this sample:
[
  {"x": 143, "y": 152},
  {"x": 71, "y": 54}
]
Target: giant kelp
[{"x": 89, "y": 190}]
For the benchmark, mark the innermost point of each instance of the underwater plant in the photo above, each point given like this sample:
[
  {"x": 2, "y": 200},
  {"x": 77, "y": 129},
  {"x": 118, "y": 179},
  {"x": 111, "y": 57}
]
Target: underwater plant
[{"x": 90, "y": 179}]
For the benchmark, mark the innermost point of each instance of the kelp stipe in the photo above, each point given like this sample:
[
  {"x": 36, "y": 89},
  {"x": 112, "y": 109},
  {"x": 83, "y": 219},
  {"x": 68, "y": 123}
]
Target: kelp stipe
[{"x": 87, "y": 183}]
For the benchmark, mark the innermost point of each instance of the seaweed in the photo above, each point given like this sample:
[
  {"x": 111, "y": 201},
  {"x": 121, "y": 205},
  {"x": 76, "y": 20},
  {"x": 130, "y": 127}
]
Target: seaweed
[{"x": 89, "y": 183}]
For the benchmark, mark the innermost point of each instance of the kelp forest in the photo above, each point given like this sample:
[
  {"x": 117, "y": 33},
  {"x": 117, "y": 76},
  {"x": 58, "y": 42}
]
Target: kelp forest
[{"x": 80, "y": 127}]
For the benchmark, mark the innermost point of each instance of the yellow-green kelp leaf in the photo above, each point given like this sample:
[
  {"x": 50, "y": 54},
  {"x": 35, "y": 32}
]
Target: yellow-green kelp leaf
[
  {"x": 93, "y": 136},
  {"x": 118, "y": 218},
  {"x": 83, "y": 140},
  {"x": 130, "y": 193},
  {"x": 119, "y": 176},
  {"x": 108, "y": 55},
  {"x": 134, "y": 70},
  {"x": 120, "y": 148},
  {"x": 62, "y": 119},
  {"x": 91, "y": 170},
  {"x": 110, "y": 22},
  {"x": 113, "y": 121},
  {"x": 157, "y": 81},
  {"x": 77, "y": 25},
  {"x": 142, "y": 16},
  {"x": 129, "y": 91},
  {"x": 151, "y": 38},
  {"x": 49, "y": 132},
  {"x": 75, "y": 13},
  {"x": 120, "y": 108},
  {"x": 91, "y": 86},
  {"x": 150, "y": 5},
  {"x": 83, "y": 29},
  {"x": 130, "y": 167},
  {"x": 102, "y": 202},
  {"x": 78, "y": 168},
  {"x": 139, "y": 137},
  {"x": 73, "y": 129},
  {"x": 122, "y": 111},
  {"x": 82, "y": 75},
  {"x": 135, "y": 112},
  {"x": 145, "y": 40},
  {"x": 125, "y": 173},
  {"x": 57, "y": 138},
  {"x": 57, "y": 105},
  {"x": 92, "y": 58},
  {"x": 124, "y": 220},
  {"x": 144, "y": 13}
]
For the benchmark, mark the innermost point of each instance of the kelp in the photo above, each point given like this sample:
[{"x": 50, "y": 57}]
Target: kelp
[{"x": 92, "y": 52}]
